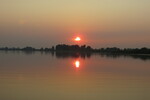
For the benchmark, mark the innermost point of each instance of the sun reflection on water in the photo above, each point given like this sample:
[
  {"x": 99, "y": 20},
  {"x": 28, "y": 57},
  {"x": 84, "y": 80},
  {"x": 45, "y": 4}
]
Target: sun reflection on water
[{"x": 77, "y": 63}]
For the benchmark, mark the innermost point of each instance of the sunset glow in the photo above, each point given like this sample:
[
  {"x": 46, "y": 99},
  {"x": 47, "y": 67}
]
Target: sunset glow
[
  {"x": 77, "y": 39},
  {"x": 74, "y": 49},
  {"x": 100, "y": 23}
]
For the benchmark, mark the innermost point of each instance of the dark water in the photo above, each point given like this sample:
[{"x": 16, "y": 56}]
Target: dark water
[{"x": 48, "y": 76}]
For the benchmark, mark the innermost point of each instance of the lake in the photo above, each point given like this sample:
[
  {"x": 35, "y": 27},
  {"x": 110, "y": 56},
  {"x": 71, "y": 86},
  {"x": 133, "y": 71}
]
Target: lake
[{"x": 55, "y": 76}]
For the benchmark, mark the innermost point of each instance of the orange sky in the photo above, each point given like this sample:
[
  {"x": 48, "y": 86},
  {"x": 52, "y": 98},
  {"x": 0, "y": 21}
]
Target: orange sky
[{"x": 100, "y": 23}]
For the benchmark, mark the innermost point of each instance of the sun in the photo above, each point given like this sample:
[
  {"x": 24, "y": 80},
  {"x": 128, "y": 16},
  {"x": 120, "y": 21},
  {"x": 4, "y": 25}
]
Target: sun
[{"x": 77, "y": 39}]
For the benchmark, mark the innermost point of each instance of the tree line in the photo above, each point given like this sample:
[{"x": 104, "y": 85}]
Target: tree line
[{"x": 82, "y": 48}]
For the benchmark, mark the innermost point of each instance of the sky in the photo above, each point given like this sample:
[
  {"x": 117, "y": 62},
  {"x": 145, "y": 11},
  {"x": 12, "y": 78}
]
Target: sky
[{"x": 99, "y": 23}]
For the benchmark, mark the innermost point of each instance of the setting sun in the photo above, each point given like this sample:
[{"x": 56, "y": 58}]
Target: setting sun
[{"x": 77, "y": 39}]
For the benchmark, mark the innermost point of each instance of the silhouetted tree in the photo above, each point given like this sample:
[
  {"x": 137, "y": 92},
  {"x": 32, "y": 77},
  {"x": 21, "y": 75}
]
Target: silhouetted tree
[{"x": 83, "y": 48}]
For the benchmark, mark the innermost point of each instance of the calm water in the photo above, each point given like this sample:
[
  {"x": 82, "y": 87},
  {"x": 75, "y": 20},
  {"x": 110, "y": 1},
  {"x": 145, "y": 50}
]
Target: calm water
[{"x": 48, "y": 76}]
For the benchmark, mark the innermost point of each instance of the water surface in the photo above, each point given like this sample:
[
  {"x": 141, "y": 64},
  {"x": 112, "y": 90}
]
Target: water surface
[{"x": 50, "y": 76}]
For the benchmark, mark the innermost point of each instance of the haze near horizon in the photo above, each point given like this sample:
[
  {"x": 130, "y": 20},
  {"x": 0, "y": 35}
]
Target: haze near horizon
[{"x": 99, "y": 23}]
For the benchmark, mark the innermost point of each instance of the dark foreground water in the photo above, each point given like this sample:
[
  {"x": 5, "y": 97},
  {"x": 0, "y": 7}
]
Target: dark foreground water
[{"x": 48, "y": 76}]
